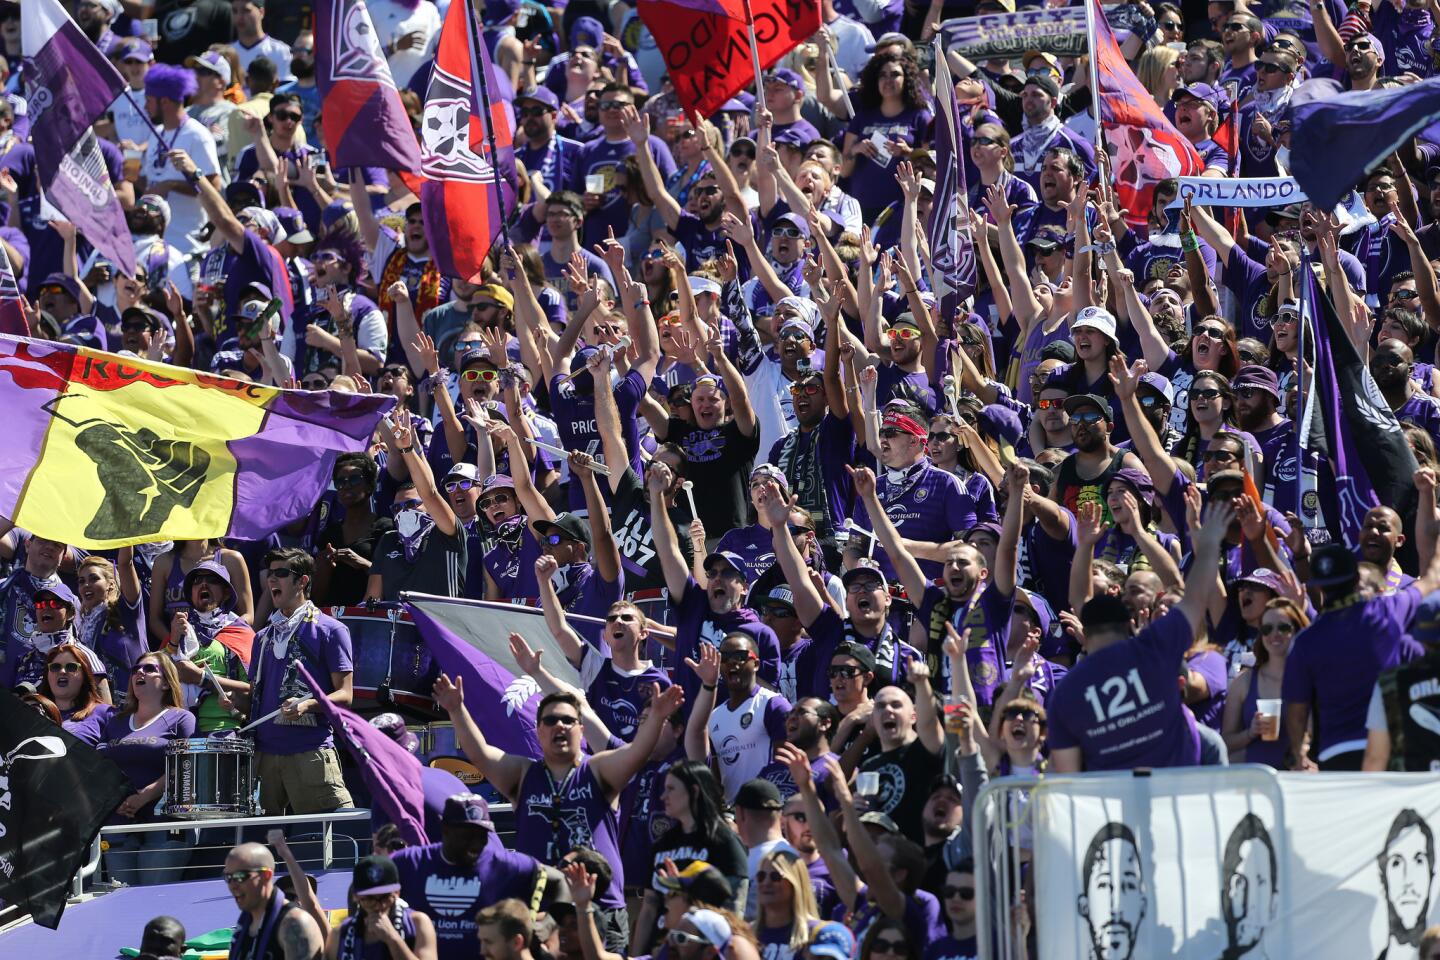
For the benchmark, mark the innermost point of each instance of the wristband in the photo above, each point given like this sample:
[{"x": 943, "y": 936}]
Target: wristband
[
  {"x": 193, "y": 176},
  {"x": 707, "y": 686},
  {"x": 409, "y": 449},
  {"x": 1189, "y": 242}
]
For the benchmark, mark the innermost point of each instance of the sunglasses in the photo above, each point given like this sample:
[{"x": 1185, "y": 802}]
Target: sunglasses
[
  {"x": 1025, "y": 716},
  {"x": 964, "y": 893},
  {"x": 891, "y": 433},
  {"x": 886, "y": 945},
  {"x": 746, "y": 152},
  {"x": 463, "y": 346},
  {"x": 843, "y": 673},
  {"x": 737, "y": 656},
  {"x": 487, "y": 375},
  {"x": 350, "y": 480},
  {"x": 1151, "y": 400},
  {"x": 797, "y": 530},
  {"x": 240, "y": 876},
  {"x": 1053, "y": 403},
  {"x": 1204, "y": 393},
  {"x": 620, "y": 617},
  {"x": 1171, "y": 25},
  {"x": 653, "y": 255},
  {"x": 1405, "y": 295},
  {"x": 48, "y": 605},
  {"x": 207, "y": 579},
  {"x": 63, "y": 667},
  {"x": 806, "y": 389},
  {"x": 1284, "y": 319},
  {"x": 532, "y": 112},
  {"x": 1234, "y": 26},
  {"x": 280, "y": 573},
  {"x": 794, "y": 335},
  {"x": 1266, "y": 67},
  {"x": 614, "y": 104},
  {"x": 774, "y": 876},
  {"x": 777, "y": 611},
  {"x": 1213, "y": 333},
  {"x": 153, "y": 668},
  {"x": 1250, "y": 393},
  {"x": 1361, "y": 45},
  {"x": 792, "y": 233},
  {"x": 452, "y": 485},
  {"x": 941, "y": 437},
  {"x": 1265, "y": 630},
  {"x": 559, "y": 720},
  {"x": 485, "y": 503},
  {"x": 286, "y": 116},
  {"x": 1283, "y": 43},
  {"x": 1086, "y": 417},
  {"x": 985, "y": 142},
  {"x": 403, "y": 505},
  {"x": 707, "y": 191},
  {"x": 902, "y": 333}
]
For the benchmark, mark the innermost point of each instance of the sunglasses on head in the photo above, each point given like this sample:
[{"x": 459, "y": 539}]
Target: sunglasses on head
[{"x": 680, "y": 938}]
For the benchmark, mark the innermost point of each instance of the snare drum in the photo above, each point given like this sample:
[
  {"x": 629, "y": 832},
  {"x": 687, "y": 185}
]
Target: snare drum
[
  {"x": 443, "y": 752},
  {"x": 210, "y": 779},
  {"x": 391, "y": 661}
]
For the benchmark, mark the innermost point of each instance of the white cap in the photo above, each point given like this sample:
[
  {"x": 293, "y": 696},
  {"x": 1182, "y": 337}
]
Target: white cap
[
  {"x": 699, "y": 285},
  {"x": 1097, "y": 318},
  {"x": 712, "y": 927},
  {"x": 212, "y": 61}
]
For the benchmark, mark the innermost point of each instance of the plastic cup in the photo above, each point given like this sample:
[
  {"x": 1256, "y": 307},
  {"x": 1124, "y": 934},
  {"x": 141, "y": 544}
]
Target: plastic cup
[{"x": 1269, "y": 712}]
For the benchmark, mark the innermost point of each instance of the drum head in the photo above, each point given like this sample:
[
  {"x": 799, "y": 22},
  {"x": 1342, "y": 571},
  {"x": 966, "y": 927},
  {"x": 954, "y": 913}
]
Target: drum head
[{"x": 465, "y": 772}]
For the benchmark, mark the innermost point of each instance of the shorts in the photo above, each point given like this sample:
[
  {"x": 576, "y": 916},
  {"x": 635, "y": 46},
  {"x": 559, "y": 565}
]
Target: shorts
[
  {"x": 308, "y": 782},
  {"x": 614, "y": 927}
]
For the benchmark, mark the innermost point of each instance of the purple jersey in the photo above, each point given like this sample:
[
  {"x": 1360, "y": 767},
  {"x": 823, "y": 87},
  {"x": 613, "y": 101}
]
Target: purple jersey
[
  {"x": 814, "y": 461},
  {"x": 89, "y": 728},
  {"x": 452, "y": 895},
  {"x": 554, "y": 818},
  {"x": 695, "y": 623},
  {"x": 924, "y": 503},
  {"x": 754, "y": 544},
  {"x": 139, "y": 751},
  {"x": 873, "y": 183},
  {"x": 1121, "y": 705},
  {"x": 322, "y": 643},
  {"x": 1335, "y": 661},
  {"x": 574, "y": 414},
  {"x": 986, "y": 615},
  {"x": 642, "y": 818},
  {"x": 511, "y": 564},
  {"x": 616, "y": 695},
  {"x": 1044, "y": 562},
  {"x": 605, "y": 158},
  {"x": 556, "y": 161}
]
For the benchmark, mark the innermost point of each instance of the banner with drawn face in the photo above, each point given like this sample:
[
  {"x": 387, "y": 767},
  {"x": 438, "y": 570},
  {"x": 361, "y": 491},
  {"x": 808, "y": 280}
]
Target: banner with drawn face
[{"x": 1235, "y": 864}]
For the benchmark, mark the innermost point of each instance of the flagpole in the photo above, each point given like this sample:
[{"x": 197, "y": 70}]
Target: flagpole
[
  {"x": 1094, "y": 71},
  {"x": 1302, "y": 399},
  {"x": 755, "y": 59},
  {"x": 477, "y": 60},
  {"x": 957, "y": 163}
]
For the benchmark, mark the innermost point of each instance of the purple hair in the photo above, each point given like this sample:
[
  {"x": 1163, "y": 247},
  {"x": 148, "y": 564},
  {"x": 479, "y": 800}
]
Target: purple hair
[
  {"x": 166, "y": 82},
  {"x": 348, "y": 248}
]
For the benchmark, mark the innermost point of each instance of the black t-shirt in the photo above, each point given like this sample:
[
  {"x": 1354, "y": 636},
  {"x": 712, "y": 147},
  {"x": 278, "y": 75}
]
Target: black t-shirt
[
  {"x": 718, "y": 463},
  {"x": 347, "y": 583},
  {"x": 726, "y": 853},
  {"x": 189, "y": 27},
  {"x": 634, "y": 535},
  {"x": 905, "y": 777},
  {"x": 438, "y": 568}
]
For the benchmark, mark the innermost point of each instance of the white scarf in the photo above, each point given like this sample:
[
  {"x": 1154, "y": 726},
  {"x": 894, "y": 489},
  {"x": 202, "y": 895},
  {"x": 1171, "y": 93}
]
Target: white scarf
[
  {"x": 281, "y": 628},
  {"x": 1034, "y": 140}
]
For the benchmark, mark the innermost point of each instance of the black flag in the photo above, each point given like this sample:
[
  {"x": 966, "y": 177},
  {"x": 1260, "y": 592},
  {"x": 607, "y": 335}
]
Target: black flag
[{"x": 55, "y": 793}]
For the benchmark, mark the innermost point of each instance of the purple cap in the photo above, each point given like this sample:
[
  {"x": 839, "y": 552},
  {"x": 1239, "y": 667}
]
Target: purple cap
[
  {"x": 293, "y": 223},
  {"x": 1138, "y": 481},
  {"x": 214, "y": 568},
  {"x": 1162, "y": 384},
  {"x": 984, "y": 526},
  {"x": 496, "y": 481},
  {"x": 541, "y": 95},
  {"x": 786, "y": 76},
  {"x": 466, "y": 809},
  {"x": 394, "y": 727},
  {"x": 797, "y": 221},
  {"x": 793, "y": 137},
  {"x": 733, "y": 560},
  {"x": 60, "y": 592},
  {"x": 333, "y": 211},
  {"x": 134, "y": 48},
  {"x": 588, "y": 32},
  {"x": 1254, "y": 375},
  {"x": 1198, "y": 91},
  {"x": 68, "y": 284},
  {"x": 1000, "y": 422},
  {"x": 1262, "y": 577}
]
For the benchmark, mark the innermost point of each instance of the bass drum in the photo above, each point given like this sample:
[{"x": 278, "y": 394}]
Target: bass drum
[{"x": 393, "y": 667}]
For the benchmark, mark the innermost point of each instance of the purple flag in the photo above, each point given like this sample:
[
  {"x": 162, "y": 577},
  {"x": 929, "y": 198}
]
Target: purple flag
[
  {"x": 1329, "y": 425},
  {"x": 364, "y": 121},
  {"x": 1337, "y": 138},
  {"x": 12, "y": 314},
  {"x": 390, "y": 772},
  {"x": 69, "y": 85},
  {"x": 470, "y": 639},
  {"x": 952, "y": 249}
]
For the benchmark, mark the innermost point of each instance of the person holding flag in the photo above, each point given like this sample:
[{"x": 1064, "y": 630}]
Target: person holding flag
[{"x": 166, "y": 91}]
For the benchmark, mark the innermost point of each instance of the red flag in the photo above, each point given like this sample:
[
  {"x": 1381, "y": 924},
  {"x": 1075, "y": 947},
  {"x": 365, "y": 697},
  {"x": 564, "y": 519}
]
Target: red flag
[
  {"x": 1145, "y": 147},
  {"x": 466, "y": 187},
  {"x": 708, "y": 52},
  {"x": 364, "y": 121},
  {"x": 12, "y": 312}
]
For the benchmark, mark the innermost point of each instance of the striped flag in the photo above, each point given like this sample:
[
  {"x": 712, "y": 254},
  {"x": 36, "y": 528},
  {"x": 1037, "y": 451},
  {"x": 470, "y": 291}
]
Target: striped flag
[
  {"x": 364, "y": 121},
  {"x": 466, "y": 150},
  {"x": 952, "y": 249}
]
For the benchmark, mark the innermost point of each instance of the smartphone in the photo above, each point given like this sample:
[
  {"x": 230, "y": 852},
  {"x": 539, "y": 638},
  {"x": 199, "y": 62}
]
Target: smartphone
[
  {"x": 322, "y": 169},
  {"x": 882, "y": 148},
  {"x": 150, "y": 28},
  {"x": 595, "y": 183},
  {"x": 867, "y": 784}
]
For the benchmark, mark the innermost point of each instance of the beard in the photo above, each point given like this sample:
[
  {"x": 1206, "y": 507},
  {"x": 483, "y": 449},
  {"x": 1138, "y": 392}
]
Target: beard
[{"x": 302, "y": 69}]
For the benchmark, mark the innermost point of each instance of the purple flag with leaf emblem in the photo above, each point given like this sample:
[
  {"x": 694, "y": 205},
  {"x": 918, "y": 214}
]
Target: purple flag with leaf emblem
[
  {"x": 390, "y": 772},
  {"x": 952, "y": 249},
  {"x": 364, "y": 121},
  {"x": 1330, "y": 425},
  {"x": 70, "y": 85},
  {"x": 470, "y": 640}
]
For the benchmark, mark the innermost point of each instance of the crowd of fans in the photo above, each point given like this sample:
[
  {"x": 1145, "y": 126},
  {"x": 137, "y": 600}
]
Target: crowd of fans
[{"x": 853, "y": 557}]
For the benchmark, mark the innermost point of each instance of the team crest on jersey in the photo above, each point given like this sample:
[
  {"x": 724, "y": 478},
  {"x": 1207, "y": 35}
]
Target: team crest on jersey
[
  {"x": 985, "y": 673},
  {"x": 921, "y": 494},
  {"x": 746, "y": 720}
]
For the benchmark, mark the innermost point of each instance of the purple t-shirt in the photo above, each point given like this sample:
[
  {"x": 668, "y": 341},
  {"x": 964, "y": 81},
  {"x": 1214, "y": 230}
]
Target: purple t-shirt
[
  {"x": 814, "y": 462},
  {"x": 554, "y": 818},
  {"x": 871, "y": 183},
  {"x": 1334, "y": 662},
  {"x": 1211, "y": 665},
  {"x": 925, "y": 503},
  {"x": 1044, "y": 562},
  {"x": 451, "y": 896},
  {"x": 574, "y": 415},
  {"x": 618, "y": 696},
  {"x": 695, "y": 624},
  {"x": 601, "y": 157},
  {"x": 140, "y": 753},
  {"x": 325, "y": 648},
  {"x": 987, "y": 617},
  {"x": 513, "y": 570},
  {"x": 811, "y": 657},
  {"x": 556, "y": 162},
  {"x": 1121, "y": 705},
  {"x": 88, "y": 729}
]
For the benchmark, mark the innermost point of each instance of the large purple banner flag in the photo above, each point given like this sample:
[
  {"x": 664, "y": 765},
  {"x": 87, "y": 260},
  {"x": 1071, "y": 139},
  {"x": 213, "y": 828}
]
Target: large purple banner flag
[
  {"x": 952, "y": 251},
  {"x": 69, "y": 85},
  {"x": 470, "y": 639},
  {"x": 390, "y": 772},
  {"x": 364, "y": 121}
]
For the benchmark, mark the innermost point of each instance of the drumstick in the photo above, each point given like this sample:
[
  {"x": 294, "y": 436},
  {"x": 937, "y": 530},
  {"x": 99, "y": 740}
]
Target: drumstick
[
  {"x": 950, "y": 395},
  {"x": 595, "y": 466},
  {"x": 622, "y": 344},
  {"x": 255, "y": 723},
  {"x": 852, "y": 529},
  {"x": 689, "y": 489}
]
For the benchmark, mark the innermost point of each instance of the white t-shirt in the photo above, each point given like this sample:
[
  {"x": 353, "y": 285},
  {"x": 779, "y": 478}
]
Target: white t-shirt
[
  {"x": 769, "y": 391},
  {"x": 130, "y": 122},
  {"x": 186, "y": 214},
  {"x": 741, "y": 741},
  {"x": 851, "y": 39},
  {"x": 271, "y": 49},
  {"x": 394, "y": 20}
]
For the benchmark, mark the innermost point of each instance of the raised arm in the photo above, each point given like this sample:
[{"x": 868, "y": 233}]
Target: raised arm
[
  {"x": 504, "y": 771},
  {"x": 637, "y": 128},
  {"x": 822, "y": 831},
  {"x": 736, "y": 393},
  {"x": 667, "y": 547},
  {"x": 1007, "y": 552},
  {"x": 911, "y": 577},
  {"x": 776, "y": 509},
  {"x": 401, "y": 436},
  {"x": 697, "y": 729},
  {"x": 1202, "y": 582},
  {"x": 217, "y": 211},
  {"x": 569, "y": 641},
  {"x": 364, "y": 213},
  {"x": 1158, "y": 463},
  {"x": 1089, "y": 526},
  {"x": 604, "y": 553},
  {"x": 1026, "y": 306}
]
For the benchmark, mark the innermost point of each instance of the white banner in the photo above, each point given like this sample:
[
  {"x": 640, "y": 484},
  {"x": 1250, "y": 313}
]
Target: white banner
[
  {"x": 1235, "y": 863},
  {"x": 1238, "y": 192}
]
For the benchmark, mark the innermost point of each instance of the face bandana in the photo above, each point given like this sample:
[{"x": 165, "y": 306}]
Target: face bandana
[{"x": 412, "y": 526}]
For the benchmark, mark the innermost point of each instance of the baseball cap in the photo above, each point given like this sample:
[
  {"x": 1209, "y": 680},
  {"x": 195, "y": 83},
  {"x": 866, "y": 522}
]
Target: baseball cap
[
  {"x": 1045, "y": 82},
  {"x": 293, "y": 223},
  {"x": 1291, "y": 307},
  {"x": 1333, "y": 565},
  {"x": 1078, "y": 400},
  {"x": 1224, "y": 477},
  {"x": 464, "y": 471},
  {"x": 393, "y": 725},
  {"x": 796, "y": 221},
  {"x": 212, "y": 62},
  {"x": 864, "y": 570},
  {"x": 884, "y": 821},
  {"x": 782, "y": 595},
  {"x": 1043, "y": 242},
  {"x": 67, "y": 284},
  {"x": 499, "y": 294},
  {"x": 466, "y": 809},
  {"x": 244, "y": 193},
  {"x": 474, "y": 356},
  {"x": 699, "y": 881},
  {"x": 60, "y": 592},
  {"x": 833, "y": 941},
  {"x": 134, "y": 48},
  {"x": 1138, "y": 481},
  {"x": 793, "y": 136},
  {"x": 1198, "y": 91},
  {"x": 1290, "y": 211},
  {"x": 699, "y": 285},
  {"x": 543, "y": 96},
  {"x": 768, "y": 471},
  {"x": 732, "y": 560},
  {"x": 374, "y": 875},
  {"x": 711, "y": 925},
  {"x": 566, "y": 525},
  {"x": 1096, "y": 318},
  {"x": 758, "y": 794},
  {"x": 786, "y": 76},
  {"x": 497, "y": 481},
  {"x": 1264, "y": 578},
  {"x": 858, "y": 652},
  {"x": 1159, "y": 384},
  {"x": 1254, "y": 375}
]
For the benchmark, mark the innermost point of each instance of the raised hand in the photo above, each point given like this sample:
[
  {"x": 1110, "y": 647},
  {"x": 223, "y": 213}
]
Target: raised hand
[
  {"x": 449, "y": 697},
  {"x": 664, "y": 705},
  {"x": 1126, "y": 379},
  {"x": 708, "y": 669},
  {"x": 909, "y": 180},
  {"x": 658, "y": 477},
  {"x": 1216, "y": 522},
  {"x": 526, "y": 658},
  {"x": 1090, "y": 524},
  {"x": 998, "y": 206},
  {"x": 797, "y": 763},
  {"x": 545, "y": 567},
  {"x": 424, "y": 348},
  {"x": 636, "y": 124},
  {"x": 863, "y": 479}
]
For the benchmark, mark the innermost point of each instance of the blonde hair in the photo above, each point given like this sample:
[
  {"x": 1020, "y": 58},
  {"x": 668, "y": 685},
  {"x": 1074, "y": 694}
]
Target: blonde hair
[
  {"x": 804, "y": 908},
  {"x": 173, "y": 697},
  {"x": 1150, "y": 70}
]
